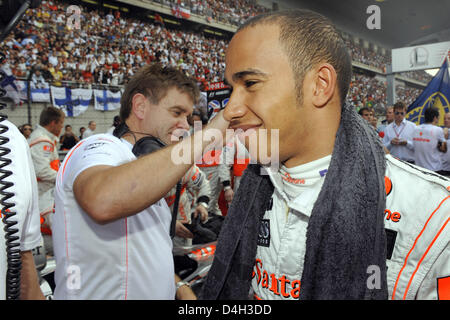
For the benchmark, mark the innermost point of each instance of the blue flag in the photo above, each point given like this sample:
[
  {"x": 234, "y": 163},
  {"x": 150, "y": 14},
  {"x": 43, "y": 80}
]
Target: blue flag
[{"x": 436, "y": 94}]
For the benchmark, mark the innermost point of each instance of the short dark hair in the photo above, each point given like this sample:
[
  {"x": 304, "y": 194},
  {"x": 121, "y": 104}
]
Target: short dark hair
[
  {"x": 153, "y": 81},
  {"x": 67, "y": 126},
  {"x": 50, "y": 114},
  {"x": 430, "y": 114},
  {"x": 309, "y": 38},
  {"x": 399, "y": 105},
  {"x": 362, "y": 110}
]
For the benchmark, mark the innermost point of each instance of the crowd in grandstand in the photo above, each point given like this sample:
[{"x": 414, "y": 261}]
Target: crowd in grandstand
[
  {"x": 233, "y": 12},
  {"x": 108, "y": 49}
]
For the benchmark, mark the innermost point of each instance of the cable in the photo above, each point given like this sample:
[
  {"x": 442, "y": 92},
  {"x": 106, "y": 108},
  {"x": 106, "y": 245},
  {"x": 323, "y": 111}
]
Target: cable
[{"x": 12, "y": 239}]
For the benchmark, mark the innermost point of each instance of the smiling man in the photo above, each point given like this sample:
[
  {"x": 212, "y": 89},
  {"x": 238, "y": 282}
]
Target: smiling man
[
  {"x": 338, "y": 219},
  {"x": 312, "y": 227},
  {"x": 111, "y": 232}
]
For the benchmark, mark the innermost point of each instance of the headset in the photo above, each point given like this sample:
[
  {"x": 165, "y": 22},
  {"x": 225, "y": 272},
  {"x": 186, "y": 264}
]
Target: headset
[{"x": 145, "y": 146}]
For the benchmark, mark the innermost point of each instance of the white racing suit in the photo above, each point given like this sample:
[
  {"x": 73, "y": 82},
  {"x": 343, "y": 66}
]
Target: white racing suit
[
  {"x": 46, "y": 164},
  {"x": 237, "y": 157},
  {"x": 195, "y": 189},
  {"x": 417, "y": 226},
  {"x": 218, "y": 174}
]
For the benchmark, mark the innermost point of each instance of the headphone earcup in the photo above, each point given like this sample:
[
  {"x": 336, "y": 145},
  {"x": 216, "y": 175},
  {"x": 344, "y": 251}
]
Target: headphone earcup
[{"x": 147, "y": 145}]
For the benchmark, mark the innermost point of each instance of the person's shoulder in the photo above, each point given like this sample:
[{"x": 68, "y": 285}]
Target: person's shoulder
[
  {"x": 412, "y": 174},
  {"x": 410, "y": 123},
  {"x": 101, "y": 139}
]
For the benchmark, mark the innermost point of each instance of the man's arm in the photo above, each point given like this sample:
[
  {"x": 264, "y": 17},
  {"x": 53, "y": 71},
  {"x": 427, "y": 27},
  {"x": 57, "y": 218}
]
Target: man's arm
[
  {"x": 109, "y": 193},
  {"x": 184, "y": 292},
  {"x": 29, "y": 283}
]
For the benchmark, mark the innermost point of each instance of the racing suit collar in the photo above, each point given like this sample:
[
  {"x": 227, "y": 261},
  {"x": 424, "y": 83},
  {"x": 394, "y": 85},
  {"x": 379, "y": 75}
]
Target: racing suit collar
[
  {"x": 305, "y": 201},
  {"x": 48, "y": 133}
]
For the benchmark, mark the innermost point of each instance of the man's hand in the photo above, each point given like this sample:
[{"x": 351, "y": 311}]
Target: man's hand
[
  {"x": 201, "y": 210},
  {"x": 182, "y": 232},
  {"x": 395, "y": 141},
  {"x": 229, "y": 193}
]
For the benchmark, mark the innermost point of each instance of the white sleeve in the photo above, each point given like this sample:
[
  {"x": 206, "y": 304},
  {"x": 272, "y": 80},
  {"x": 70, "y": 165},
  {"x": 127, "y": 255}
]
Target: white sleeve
[
  {"x": 197, "y": 181},
  {"x": 102, "y": 149}
]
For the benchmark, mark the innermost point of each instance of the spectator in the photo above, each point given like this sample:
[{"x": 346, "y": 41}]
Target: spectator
[
  {"x": 115, "y": 124},
  {"x": 68, "y": 140},
  {"x": 366, "y": 113},
  {"x": 26, "y": 130},
  {"x": 388, "y": 120},
  {"x": 92, "y": 125},
  {"x": 114, "y": 205},
  {"x": 429, "y": 142},
  {"x": 446, "y": 156},
  {"x": 399, "y": 134},
  {"x": 82, "y": 130},
  {"x": 43, "y": 142}
]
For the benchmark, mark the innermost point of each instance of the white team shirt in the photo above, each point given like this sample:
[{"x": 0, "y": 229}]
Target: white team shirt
[
  {"x": 426, "y": 153},
  {"x": 25, "y": 198},
  {"x": 446, "y": 158},
  {"x": 130, "y": 258},
  {"x": 404, "y": 131}
]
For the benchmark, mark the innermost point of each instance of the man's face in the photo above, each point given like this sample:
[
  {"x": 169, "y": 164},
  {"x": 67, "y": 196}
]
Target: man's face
[
  {"x": 264, "y": 93},
  {"x": 169, "y": 116},
  {"x": 27, "y": 131},
  {"x": 390, "y": 115},
  {"x": 447, "y": 120},
  {"x": 56, "y": 126},
  {"x": 399, "y": 114},
  {"x": 92, "y": 126},
  {"x": 367, "y": 115}
]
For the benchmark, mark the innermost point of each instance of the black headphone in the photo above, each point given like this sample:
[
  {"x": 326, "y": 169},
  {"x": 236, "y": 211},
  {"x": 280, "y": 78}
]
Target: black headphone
[{"x": 145, "y": 146}]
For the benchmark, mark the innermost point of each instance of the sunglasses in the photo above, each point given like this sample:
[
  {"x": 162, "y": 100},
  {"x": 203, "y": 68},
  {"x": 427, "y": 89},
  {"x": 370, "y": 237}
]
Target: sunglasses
[{"x": 397, "y": 113}]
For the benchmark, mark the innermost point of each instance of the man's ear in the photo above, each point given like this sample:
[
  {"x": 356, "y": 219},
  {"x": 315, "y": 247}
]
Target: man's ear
[
  {"x": 138, "y": 105},
  {"x": 325, "y": 80}
]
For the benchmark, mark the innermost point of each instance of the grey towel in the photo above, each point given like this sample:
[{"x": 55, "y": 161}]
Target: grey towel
[{"x": 345, "y": 235}]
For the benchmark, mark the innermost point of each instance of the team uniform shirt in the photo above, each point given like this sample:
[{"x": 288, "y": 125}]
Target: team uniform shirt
[
  {"x": 193, "y": 182},
  {"x": 46, "y": 164},
  {"x": 130, "y": 258},
  {"x": 216, "y": 171},
  {"x": 446, "y": 158},
  {"x": 193, "y": 185},
  {"x": 282, "y": 238},
  {"x": 404, "y": 131},
  {"x": 426, "y": 153},
  {"x": 417, "y": 226},
  {"x": 25, "y": 198}
]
